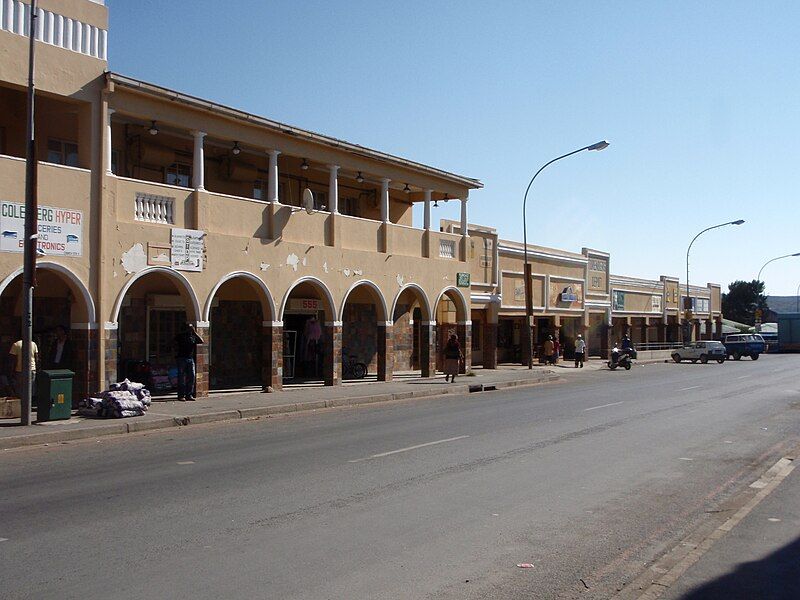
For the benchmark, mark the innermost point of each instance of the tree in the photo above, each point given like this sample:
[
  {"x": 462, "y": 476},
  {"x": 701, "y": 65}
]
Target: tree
[{"x": 742, "y": 300}]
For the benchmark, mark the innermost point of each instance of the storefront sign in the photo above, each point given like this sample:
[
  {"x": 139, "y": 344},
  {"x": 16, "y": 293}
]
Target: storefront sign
[
  {"x": 187, "y": 249},
  {"x": 564, "y": 295},
  {"x": 60, "y": 229},
  {"x": 462, "y": 280},
  {"x": 617, "y": 300},
  {"x": 304, "y": 305}
]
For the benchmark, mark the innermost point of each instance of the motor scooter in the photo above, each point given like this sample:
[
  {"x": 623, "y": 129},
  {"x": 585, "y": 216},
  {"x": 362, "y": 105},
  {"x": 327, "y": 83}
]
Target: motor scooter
[{"x": 620, "y": 358}]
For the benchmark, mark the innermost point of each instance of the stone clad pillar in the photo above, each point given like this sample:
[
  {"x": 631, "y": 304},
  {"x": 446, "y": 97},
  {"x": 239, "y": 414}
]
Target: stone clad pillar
[
  {"x": 272, "y": 356},
  {"x": 709, "y": 330},
  {"x": 272, "y": 179},
  {"x": 198, "y": 164},
  {"x": 110, "y": 333},
  {"x": 385, "y": 351},
  {"x": 201, "y": 360},
  {"x": 427, "y": 348},
  {"x": 332, "y": 366},
  {"x": 489, "y": 345},
  {"x": 464, "y": 333},
  {"x": 718, "y": 323}
]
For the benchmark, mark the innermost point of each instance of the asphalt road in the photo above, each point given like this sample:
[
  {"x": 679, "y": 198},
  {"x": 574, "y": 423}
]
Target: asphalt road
[{"x": 588, "y": 480}]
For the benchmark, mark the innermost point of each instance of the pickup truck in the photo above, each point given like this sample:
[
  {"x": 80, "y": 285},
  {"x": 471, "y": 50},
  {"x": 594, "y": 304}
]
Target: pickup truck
[{"x": 738, "y": 345}]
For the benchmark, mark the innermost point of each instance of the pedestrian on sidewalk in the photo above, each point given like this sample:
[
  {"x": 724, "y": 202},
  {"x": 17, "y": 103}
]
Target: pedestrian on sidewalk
[
  {"x": 185, "y": 355},
  {"x": 549, "y": 351},
  {"x": 452, "y": 358},
  {"x": 556, "y": 349},
  {"x": 580, "y": 351},
  {"x": 16, "y": 366}
]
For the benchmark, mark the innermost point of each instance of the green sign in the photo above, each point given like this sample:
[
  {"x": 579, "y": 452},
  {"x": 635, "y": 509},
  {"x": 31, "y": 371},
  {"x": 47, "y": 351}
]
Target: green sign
[{"x": 462, "y": 280}]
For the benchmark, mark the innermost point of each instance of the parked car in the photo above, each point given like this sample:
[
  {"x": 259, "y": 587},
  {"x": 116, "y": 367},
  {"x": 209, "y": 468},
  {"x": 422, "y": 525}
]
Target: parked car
[
  {"x": 702, "y": 351},
  {"x": 738, "y": 345}
]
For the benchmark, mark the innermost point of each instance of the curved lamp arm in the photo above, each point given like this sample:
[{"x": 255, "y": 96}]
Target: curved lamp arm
[
  {"x": 737, "y": 222},
  {"x": 773, "y": 260}
]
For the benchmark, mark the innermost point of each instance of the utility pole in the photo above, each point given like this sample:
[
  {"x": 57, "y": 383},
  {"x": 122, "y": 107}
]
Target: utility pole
[{"x": 31, "y": 234}]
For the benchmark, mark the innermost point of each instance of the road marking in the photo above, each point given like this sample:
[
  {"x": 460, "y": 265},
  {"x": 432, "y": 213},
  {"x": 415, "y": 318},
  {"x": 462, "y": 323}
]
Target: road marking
[
  {"x": 3, "y": 539},
  {"x": 773, "y": 520},
  {"x": 604, "y": 406},
  {"x": 684, "y": 458},
  {"x": 409, "y": 448},
  {"x": 185, "y": 462},
  {"x": 743, "y": 377},
  {"x": 694, "y": 387}
]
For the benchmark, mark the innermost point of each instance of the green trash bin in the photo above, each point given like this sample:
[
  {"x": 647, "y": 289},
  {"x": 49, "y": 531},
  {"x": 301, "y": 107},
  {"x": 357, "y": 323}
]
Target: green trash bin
[{"x": 54, "y": 394}]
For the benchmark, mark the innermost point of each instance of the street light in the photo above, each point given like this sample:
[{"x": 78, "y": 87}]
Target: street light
[
  {"x": 688, "y": 302},
  {"x": 773, "y": 260},
  {"x": 602, "y": 145}
]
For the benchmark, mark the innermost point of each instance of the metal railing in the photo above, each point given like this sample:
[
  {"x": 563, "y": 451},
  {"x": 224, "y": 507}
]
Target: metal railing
[{"x": 658, "y": 346}]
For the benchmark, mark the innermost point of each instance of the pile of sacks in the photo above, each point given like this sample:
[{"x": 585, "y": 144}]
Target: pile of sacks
[{"x": 123, "y": 399}]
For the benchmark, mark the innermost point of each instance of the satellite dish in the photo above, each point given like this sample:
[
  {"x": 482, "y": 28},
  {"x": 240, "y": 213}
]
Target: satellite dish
[{"x": 308, "y": 201}]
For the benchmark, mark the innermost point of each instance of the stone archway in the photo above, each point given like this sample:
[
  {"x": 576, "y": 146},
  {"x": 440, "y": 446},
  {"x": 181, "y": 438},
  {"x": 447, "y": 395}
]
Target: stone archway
[
  {"x": 452, "y": 318},
  {"x": 413, "y": 331},
  {"x": 366, "y": 330}
]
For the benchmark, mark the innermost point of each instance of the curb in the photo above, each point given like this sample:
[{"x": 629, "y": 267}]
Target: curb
[{"x": 133, "y": 426}]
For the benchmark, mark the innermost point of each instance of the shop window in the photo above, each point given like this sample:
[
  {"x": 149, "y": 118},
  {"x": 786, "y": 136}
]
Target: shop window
[
  {"x": 178, "y": 174},
  {"x": 60, "y": 152},
  {"x": 163, "y": 326},
  {"x": 618, "y": 300}
]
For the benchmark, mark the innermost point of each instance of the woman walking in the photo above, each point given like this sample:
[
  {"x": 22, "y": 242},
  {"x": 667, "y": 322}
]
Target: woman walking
[{"x": 452, "y": 358}]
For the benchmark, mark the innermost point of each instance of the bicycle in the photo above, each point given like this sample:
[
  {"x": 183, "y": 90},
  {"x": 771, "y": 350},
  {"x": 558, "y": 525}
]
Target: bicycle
[{"x": 353, "y": 369}]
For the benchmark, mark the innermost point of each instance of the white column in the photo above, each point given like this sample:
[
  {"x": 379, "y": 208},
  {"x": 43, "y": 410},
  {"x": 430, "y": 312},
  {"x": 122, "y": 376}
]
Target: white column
[
  {"x": 108, "y": 141},
  {"x": 272, "y": 181},
  {"x": 464, "y": 224},
  {"x": 198, "y": 167},
  {"x": 427, "y": 213},
  {"x": 333, "y": 189},
  {"x": 385, "y": 200}
]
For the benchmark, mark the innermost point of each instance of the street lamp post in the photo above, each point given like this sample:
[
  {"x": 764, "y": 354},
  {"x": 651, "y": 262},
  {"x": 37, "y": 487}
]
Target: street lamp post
[
  {"x": 687, "y": 306},
  {"x": 773, "y": 260},
  {"x": 527, "y": 271}
]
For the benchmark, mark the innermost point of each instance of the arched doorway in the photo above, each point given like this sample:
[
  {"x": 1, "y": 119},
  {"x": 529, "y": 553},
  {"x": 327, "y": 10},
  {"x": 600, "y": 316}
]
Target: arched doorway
[
  {"x": 312, "y": 338},
  {"x": 61, "y": 303},
  {"x": 451, "y": 319},
  {"x": 411, "y": 324},
  {"x": 240, "y": 314},
  {"x": 366, "y": 337},
  {"x": 151, "y": 310}
]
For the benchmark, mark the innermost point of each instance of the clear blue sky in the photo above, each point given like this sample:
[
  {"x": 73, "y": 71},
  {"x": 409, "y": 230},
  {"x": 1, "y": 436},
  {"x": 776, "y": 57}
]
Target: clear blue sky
[{"x": 700, "y": 101}]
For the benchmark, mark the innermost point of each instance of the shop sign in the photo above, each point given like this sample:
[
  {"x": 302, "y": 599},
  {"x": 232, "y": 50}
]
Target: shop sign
[
  {"x": 304, "y": 305},
  {"x": 60, "y": 229},
  {"x": 462, "y": 280},
  {"x": 617, "y": 300},
  {"x": 187, "y": 249},
  {"x": 566, "y": 296}
]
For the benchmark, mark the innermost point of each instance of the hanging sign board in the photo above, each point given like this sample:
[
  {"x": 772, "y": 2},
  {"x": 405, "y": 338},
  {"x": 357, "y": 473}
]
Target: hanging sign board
[
  {"x": 60, "y": 229},
  {"x": 303, "y": 305},
  {"x": 187, "y": 249}
]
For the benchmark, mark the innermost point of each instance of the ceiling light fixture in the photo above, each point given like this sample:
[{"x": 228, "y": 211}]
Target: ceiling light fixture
[
  {"x": 236, "y": 150},
  {"x": 446, "y": 197},
  {"x": 407, "y": 189},
  {"x": 360, "y": 177},
  {"x": 153, "y": 129},
  {"x": 304, "y": 165}
]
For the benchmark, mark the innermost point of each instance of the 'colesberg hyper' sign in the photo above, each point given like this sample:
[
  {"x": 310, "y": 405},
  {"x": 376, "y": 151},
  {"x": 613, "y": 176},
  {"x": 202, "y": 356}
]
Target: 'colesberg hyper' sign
[{"x": 60, "y": 229}]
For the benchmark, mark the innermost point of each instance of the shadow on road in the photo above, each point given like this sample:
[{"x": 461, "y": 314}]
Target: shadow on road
[{"x": 775, "y": 577}]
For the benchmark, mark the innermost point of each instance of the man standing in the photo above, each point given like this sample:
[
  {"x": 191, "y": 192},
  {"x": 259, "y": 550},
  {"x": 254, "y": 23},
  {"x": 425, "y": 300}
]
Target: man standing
[
  {"x": 16, "y": 352},
  {"x": 61, "y": 353},
  {"x": 185, "y": 353},
  {"x": 549, "y": 351},
  {"x": 580, "y": 351}
]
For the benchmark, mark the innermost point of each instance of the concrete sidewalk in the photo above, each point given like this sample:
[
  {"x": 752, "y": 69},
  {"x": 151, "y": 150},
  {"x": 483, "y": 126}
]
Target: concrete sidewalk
[{"x": 252, "y": 404}]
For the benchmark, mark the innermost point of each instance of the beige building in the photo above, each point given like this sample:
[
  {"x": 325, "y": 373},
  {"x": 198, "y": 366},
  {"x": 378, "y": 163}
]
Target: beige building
[
  {"x": 573, "y": 293},
  {"x": 158, "y": 208}
]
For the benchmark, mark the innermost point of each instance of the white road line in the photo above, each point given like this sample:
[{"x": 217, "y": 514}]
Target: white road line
[
  {"x": 3, "y": 539},
  {"x": 185, "y": 462},
  {"x": 604, "y": 406},
  {"x": 684, "y": 458},
  {"x": 694, "y": 387},
  {"x": 743, "y": 377},
  {"x": 409, "y": 448}
]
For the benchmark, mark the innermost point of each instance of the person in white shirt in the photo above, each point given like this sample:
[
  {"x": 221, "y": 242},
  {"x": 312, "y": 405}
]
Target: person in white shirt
[
  {"x": 16, "y": 352},
  {"x": 580, "y": 351}
]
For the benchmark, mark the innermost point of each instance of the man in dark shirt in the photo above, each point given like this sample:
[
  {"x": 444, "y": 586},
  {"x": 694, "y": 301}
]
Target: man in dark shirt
[{"x": 185, "y": 352}]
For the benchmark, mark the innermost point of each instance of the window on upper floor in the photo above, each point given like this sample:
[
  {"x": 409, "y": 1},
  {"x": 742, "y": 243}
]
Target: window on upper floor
[
  {"x": 259, "y": 189},
  {"x": 178, "y": 174},
  {"x": 60, "y": 152},
  {"x": 349, "y": 206}
]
